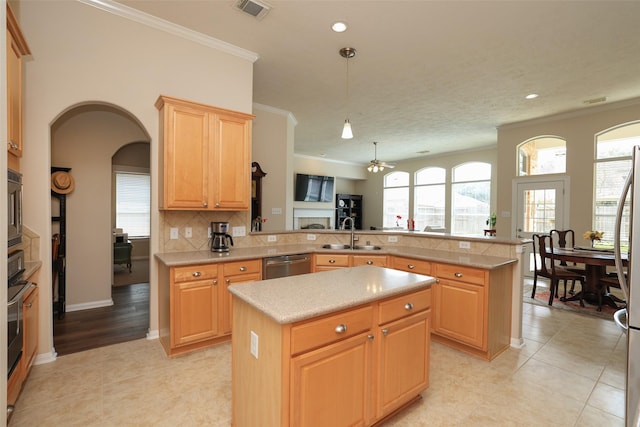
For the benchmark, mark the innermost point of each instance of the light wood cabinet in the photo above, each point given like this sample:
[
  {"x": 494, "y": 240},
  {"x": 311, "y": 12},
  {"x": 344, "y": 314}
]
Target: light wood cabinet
[
  {"x": 378, "y": 260},
  {"x": 411, "y": 265},
  {"x": 472, "y": 309},
  {"x": 234, "y": 273},
  {"x": 16, "y": 48},
  {"x": 30, "y": 308},
  {"x": 351, "y": 367},
  {"x": 324, "y": 262},
  {"x": 331, "y": 261},
  {"x": 195, "y": 311},
  {"x": 195, "y": 304},
  {"x": 205, "y": 157}
]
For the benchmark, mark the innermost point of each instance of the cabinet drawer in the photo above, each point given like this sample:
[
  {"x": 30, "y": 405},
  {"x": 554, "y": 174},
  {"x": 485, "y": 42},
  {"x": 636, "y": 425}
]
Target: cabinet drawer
[
  {"x": 379, "y": 260},
  {"x": 404, "y": 305},
  {"x": 242, "y": 267},
  {"x": 461, "y": 274},
  {"x": 412, "y": 265},
  {"x": 317, "y": 333},
  {"x": 195, "y": 272},
  {"x": 333, "y": 260}
]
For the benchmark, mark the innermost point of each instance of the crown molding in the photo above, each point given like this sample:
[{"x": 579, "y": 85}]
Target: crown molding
[
  {"x": 171, "y": 28},
  {"x": 277, "y": 111}
]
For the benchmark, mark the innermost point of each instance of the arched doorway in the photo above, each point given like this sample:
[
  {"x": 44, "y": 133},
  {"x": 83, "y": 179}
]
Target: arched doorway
[{"x": 84, "y": 140}]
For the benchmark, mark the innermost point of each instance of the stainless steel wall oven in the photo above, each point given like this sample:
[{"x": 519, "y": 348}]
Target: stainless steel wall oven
[
  {"x": 14, "y": 205},
  {"x": 17, "y": 288}
]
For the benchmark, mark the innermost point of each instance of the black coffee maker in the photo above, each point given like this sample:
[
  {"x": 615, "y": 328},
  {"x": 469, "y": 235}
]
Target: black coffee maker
[{"x": 220, "y": 240}]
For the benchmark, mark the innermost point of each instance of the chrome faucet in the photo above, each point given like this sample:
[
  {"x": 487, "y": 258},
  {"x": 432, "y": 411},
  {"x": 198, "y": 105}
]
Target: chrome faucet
[{"x": 353, "y": 236}]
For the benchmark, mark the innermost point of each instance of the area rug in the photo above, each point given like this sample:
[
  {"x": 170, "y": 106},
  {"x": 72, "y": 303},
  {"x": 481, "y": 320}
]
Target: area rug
[
  {"x": 542, "y": 298},
  {"x": 139, "y": 273}
]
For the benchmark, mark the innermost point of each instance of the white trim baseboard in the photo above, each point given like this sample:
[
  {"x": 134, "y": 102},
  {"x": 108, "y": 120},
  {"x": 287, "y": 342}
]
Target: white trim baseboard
[
  {"x": 43, "y": 358},
  {"x": 89, "y": 305},
  {"x": 153, "y": 334}
]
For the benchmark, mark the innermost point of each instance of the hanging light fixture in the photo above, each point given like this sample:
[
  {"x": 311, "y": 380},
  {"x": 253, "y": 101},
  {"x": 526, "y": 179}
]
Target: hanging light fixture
[
  {"x": 376, "y": 165},
  {"x": 347, "y": 52}
]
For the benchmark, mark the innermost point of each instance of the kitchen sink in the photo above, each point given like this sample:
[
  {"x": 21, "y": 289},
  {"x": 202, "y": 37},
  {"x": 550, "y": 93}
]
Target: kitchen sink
[
  {"x": 367, "y": 248},
  {"x": 336, "y": 246}
]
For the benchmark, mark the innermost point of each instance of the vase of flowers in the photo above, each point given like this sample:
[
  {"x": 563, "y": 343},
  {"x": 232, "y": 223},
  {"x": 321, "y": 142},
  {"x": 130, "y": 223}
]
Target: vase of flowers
[
  {"x": 593, "y": 235},
  {"x": 398, "y": 218}
]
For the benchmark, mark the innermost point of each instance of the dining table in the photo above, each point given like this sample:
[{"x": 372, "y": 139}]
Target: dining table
[{"x": 596, "y": 263}]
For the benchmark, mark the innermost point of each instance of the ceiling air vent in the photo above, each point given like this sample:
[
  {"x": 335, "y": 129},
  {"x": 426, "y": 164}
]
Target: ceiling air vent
[{"x": 254, "y": 8}]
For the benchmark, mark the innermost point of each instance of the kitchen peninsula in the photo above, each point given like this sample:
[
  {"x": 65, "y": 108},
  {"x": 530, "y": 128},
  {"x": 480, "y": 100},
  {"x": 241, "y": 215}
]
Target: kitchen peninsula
[{"x": 342, "y": 347}]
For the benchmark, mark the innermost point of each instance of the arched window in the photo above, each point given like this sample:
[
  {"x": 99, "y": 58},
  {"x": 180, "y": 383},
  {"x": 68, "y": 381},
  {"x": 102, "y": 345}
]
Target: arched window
[
  {"x": 429, "y": 198},
  {"x": 612, "y": 165},
  {"x": 542, "y": 155},
  {"x": 395, "y": 199},
  {"x": 470, "y": 197}
]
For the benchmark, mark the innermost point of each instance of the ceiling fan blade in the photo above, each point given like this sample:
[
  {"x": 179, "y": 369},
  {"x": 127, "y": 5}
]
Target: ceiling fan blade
[{"x": 387, "y": 165}]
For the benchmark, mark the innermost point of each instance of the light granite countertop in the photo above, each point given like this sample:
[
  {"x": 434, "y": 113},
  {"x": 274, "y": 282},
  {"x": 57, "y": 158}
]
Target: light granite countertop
[
  {"x": 295, "y": 298},
  {"x": 175, "y": 259}
]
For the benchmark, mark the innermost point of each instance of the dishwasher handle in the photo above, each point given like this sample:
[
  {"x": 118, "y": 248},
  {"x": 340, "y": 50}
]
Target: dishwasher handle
[{"x": 287, "y": 259}]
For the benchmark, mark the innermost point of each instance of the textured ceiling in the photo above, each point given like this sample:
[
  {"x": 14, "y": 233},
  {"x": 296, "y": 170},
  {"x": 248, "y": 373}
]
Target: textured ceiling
[{"x": 429, "y": 75}]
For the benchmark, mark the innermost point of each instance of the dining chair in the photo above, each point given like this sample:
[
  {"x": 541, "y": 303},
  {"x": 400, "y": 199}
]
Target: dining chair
[
  {"x": 548, "y": 268},
  {"x": 567, "y": 238}
]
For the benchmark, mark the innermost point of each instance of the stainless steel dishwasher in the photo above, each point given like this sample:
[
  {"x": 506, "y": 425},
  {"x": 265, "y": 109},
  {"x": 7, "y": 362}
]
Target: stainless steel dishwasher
[{"x": 286, "y": 265}]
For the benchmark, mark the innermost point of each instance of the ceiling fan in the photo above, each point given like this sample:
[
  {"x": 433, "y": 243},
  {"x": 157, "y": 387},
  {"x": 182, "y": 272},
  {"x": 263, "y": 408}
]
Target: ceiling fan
[{"x": 376, "y": 165}]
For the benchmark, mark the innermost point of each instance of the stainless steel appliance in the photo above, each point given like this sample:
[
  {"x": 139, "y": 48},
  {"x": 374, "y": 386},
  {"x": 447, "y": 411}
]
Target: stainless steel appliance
[
  {"x": 221, "y": 241},
  {"x": 16, "y": 290},
  {"x": 14, "y": 205},
  {"x": 286, "y": 265},
  {"x": 629, "y": 319}
]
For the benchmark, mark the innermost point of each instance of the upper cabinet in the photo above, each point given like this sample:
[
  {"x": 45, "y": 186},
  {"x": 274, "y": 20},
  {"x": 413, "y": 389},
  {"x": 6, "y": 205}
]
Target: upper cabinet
[
  {"x": 205, "y": 157},
  {"x": 16, "y": 49}
]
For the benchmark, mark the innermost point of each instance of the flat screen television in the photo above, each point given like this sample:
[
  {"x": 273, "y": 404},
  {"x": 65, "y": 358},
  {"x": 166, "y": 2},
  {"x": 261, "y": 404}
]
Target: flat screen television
[{"x": 313, "y": 188}]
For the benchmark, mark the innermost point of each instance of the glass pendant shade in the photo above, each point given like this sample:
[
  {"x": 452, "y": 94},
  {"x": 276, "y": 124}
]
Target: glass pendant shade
[{"x": 346, "y": 130}]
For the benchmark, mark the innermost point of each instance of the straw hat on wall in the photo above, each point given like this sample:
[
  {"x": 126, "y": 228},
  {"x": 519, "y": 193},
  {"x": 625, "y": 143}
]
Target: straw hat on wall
[{"x": 62, "y": 182}]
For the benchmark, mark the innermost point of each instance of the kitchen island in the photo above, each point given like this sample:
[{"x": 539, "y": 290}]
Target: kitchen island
[{"x": 341, "y": 347}]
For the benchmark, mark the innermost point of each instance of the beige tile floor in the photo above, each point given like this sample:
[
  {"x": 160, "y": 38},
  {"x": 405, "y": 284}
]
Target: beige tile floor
[{"x": 570, "y": 373}]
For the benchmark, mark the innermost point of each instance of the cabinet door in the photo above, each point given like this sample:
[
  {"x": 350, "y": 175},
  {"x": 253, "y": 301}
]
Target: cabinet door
[
  {"x": 411, "y": 265},
  {"x": 331, "y": 385},
  {"x": 14, "y": 97},
  {"x": 459, "y": 312},
  {"x": 232, "y": 162},
  {"x": 404, "y": 361},
  {"x": 226, "y": 312},
  {"x": 195, "y": 311},
  {"x": 30, "y": 343},
  {"x": 379, "y": 260},
  {"x": 187, "y": 160}
]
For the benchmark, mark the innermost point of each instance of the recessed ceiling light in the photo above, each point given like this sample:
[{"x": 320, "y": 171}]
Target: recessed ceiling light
[
  {"x": 532, "y": 96},
  {"x": 339, "y": 27}
]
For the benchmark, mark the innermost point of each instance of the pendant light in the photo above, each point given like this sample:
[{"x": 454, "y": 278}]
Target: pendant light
[{"x": 347, "y": 52}]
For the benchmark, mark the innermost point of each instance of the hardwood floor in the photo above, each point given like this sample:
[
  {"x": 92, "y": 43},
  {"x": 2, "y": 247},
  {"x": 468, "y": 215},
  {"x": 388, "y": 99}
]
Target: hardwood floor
[{"x": 126, "y": 320}]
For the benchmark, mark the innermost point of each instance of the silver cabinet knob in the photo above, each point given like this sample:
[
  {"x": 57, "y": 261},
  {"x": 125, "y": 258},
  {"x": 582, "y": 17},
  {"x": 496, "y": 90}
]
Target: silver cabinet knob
[
  {"x": 205, "y": 204},
  {"x": 227, "y": 281},
  {"x": 215, "y": 282},
  {"x": 243, "y": 268},
  {"x": 385, "y": 331},
  {"x": 217, "y": 205},
  {"x": 196, "y": 274},
  {"x": 458, "y": 274},
  {"x": 408, "y": 306},
  {"x": 369, "y": 262},
  {"x": 28, "y": 305},
  {"x": 332, "y": 261},
  {"x": 341, "y": 328},
  {"x": 370, "y": 337},
  {"x": 411, "y": 266}
]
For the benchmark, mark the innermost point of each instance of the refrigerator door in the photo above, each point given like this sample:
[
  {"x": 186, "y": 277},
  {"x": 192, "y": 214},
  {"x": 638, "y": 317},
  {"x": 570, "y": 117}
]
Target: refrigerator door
[{"x": 633, "y": 379}]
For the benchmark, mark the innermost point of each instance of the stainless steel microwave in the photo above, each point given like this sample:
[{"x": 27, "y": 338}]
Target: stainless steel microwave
[{"x": 14, "y": 205}]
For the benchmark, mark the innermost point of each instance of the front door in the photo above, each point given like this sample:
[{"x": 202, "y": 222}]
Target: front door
[{"x": 540, "y": 207}]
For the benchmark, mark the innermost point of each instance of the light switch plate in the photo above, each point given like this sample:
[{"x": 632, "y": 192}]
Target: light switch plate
[
  {"x": 464, "y": 245},
  {"x": 276, "y": 211},
  {"x": 174, "y": 233},
  {"x": 393, "y": 239},
  {"x": 311, "y": 237},
  {"x": 239, "y": 231},
  {"x": 272, "y": 238},
  {"x": 254, "y": 344}
]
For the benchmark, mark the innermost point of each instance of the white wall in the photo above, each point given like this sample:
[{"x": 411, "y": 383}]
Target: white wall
[
  {"x": 83, "y": 54},
  {"x": 579, "y": 129}
]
